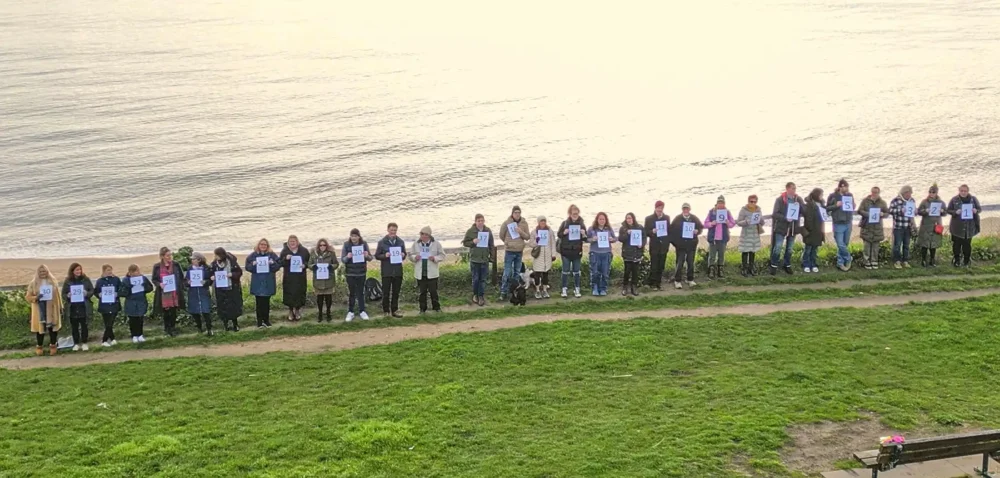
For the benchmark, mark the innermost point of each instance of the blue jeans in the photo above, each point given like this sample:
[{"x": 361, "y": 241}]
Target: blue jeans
[
  {"x": 901, "y": 244},
  {"x": 776, "y": 249},
  {"x": 842, "y": 236},
  {"x": 479, "y": 273},
  {"x": 600, "y": 270},
  {"x": 810, "y": 256},
  {"x": 511, "y": 269},
  {"x": 570, "y": 267}
]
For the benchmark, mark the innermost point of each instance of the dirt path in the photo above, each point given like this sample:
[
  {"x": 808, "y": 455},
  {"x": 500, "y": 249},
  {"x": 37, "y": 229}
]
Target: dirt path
[{"x": 363, "y": 338}]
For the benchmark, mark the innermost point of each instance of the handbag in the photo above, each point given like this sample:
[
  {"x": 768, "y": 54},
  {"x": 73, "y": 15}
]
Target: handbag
[
  {"x": 938, "y": 229},
  {"x": 536, "y": 251}
]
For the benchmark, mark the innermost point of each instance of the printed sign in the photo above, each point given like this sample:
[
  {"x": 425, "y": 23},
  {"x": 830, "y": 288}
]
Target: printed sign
[
  {"x": 967, "y": 211},
  {"x": 755, "y": 218},
  {"x": 263, "y": 266},
  {"x": 512, "y": 231},
  {"x": 934, "y": 210},
  {"x": 542, "y": 237},
  {"x": 847, "y": 203},
  {"x": 45, "y": 293},
  {"x": 484, "y": 239},
  {"x": 221, "y": 280},
  {"x": 76, "y": 293},
  {"x": 635, "y": 237},
  {"x": 169, "y": 283},
  {"x": 357, "y": 254},
  {"x": 108, "y": 294},
  {"x": 295, "y": 266},
  {"x": 688, "y": 230},
  {"x": 822, "y": 213},
  {"x": 721, "y": 216},
  {"x": 322, "y": 271},
  {"x": 137, "y": 284},
  {"x": 425, "y": 253},
  {"x": 792, "y": 214},
  {"x": 874, "y": 215},
  {"x": 661, "y": 228},
  {"x": 196, "y": 277},
  {"x": 395, "y": 255},
  {"x": 603, "y": 240},
  {"x": 574, "y": 233},
  {"x": 910, "y": 209}
]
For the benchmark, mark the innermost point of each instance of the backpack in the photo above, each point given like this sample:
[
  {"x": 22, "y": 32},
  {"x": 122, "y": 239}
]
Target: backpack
[{"x": 373, "y": 290}]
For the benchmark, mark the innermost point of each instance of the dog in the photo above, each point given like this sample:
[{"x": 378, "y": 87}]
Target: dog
[{"x": 519, "y": 288}]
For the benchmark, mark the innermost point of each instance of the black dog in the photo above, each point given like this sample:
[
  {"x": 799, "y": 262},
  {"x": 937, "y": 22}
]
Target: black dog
[{"x": 519, "y": 288}]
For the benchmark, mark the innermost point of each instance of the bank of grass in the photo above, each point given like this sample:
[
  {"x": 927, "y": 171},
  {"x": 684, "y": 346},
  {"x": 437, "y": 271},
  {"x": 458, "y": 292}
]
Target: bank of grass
[{"x": 646, "y": 398}]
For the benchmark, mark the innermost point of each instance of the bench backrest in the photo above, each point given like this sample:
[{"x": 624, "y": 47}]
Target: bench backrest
[{"x": 939, "y": 448}]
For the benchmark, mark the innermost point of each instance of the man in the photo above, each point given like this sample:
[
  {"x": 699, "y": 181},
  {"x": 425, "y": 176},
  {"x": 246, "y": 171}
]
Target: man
[
  {"x": 842, "y": 217},
  {"x": 479, "y": 257},
  {"x": 659, "y": 244},
  {"x": 514, "y": 234},
  {"x": 902, "y": 227},
  {"x": 685, "y": 244},
  {"x": 785, "y": 227},
  {"x": 391, "y": 251}
]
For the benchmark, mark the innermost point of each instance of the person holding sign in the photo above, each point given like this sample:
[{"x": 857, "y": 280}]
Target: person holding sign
[
  {"x": 903, "y": 209},
  {"x": 77, "y": 291},
  {"x": 751, "y": 221},
  {"x": 964, "y": 210},
  {"x": 600, "y": 235},
  {"x": 294, "y": 281},
  {"x": 718, "y": 222},
  {"x": 785, "y": 226},
  {"x": 514, "y": 235},
  {"x": 633, "y": 250},
  {"x": 134, "y": 289},
  {"x": 427, "y": 257},
  {"x": 46, "y": 309},
  {"x": 323, "y": 262},
  {"x": 813, "y": 230},
  {"x": 872, "y": 209},
  {"x": 543, "y": 253},
  {"x": 684, "y": 232},
  {"x": 571, "y": 249},
  {"x": 391, "y": 251},
  {"x": 656, "y": 226},
  {"x": 226, "y": 276},
  {"x": 197, "y": 281},
  {"x": 263, "y": 264},
  {"x": 930, "y": 235},
  {"x": 355, "y": 256},
  {"x": 479, "y": 240},
  {"x": 168, "y": 277},
  {"x": 840, "y": 207},
  {"x": 109, "y": 305}
]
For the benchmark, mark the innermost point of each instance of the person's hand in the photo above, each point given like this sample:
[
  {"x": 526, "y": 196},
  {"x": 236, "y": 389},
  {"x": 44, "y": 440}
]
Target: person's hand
[
  {"x": 229, "y": 274},
  {"x": 475, "y": 241},
  {"x": 553, "y": 258},
  {"x": 840, "y": 203},
  {"x": 433, "y": 259},
  {"x": 270, "y": 261},
  {"x": 288, "y": 256},
  {"x": 566, "y": 233},
  {"x": 367, "y": 254},
  {"x": 975, "y": 211},
  {"x": 350, "y": 255}
]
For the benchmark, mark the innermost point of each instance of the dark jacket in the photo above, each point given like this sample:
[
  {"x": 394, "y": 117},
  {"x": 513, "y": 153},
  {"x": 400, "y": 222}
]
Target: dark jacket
[
  {"x": 178, "y": 273},
  {"x": 88, "y": 294},
  {"x": 780, "y": 225},
  {"x": 657, "y": 245},
  {"x": 350, "y": 268},
  {"x": 263, "y": 284},
  {"x": 631, "y": 253},
  {"x": 677, "y": 232},
  {"x": 382, "y": 254},
  {"x": 114, "y": 307},
  {"x": 136, "y": 305},
  {"x": 814, "y": 230},
  {"x": 964, "y": 228},
  {"x": 199, "y": 300},
  {"x": 837, "y": 213},
  {"x": 478, "y": 255},
  {"x": 286, "y": 264},
  {"x": 229, "y": 300},
  {"x": 567, "y": 248}
]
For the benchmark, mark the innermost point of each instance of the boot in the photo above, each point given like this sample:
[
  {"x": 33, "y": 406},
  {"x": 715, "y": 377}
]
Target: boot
[
  {"x": 197, "y": 322},
  {"x": 635, "y": 292},
  {"x": 236, "y": 326},
  {"x": 208, "y": 326},
  {"x": 624, "y": 290},
  {"x": 38, "y": 351},
  {"x": 319, "y": 316},
  {"x": 53, "y": 350},
  {"x": 711, "y": 272},
  {"x": 719, "y": 273}
]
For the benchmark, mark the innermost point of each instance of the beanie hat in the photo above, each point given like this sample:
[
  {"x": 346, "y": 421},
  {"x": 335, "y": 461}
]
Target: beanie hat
[
  {"x": 721, "y": 199},
  {"x": 658, "y": 204},
  {"x": 934, "y": 189},
  {"x": 542, "y": 218},
  {"x": 516, "y": 209},
  {"x": 426, "y": 230}
]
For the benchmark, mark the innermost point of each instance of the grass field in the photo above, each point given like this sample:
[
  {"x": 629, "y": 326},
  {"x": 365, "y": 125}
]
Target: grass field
[{"x": 650, "y": 398}]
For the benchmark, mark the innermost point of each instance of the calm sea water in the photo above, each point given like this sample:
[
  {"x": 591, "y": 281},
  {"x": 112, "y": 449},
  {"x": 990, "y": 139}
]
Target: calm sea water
[{"x": 127, "y": 125}]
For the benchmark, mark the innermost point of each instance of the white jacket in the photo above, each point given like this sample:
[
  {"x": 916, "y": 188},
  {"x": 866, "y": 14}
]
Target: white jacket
[
  {"x": 433, "y": 268},
  {"x": 544, "y": 261}
]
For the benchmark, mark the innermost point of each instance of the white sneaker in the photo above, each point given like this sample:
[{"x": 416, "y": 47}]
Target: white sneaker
[
  {"x": 806, "y": 270},
  {"x": 364, "y": 316},
  {"x": 114, "y": 342},
  {"x": 105, "y": 344},
  {"x": 135, "y": 340},
  {"x": 76, "y": 348},
  {"x": 142, "y": 339},
  {"x": 538, "y": 295},
  {"x": 692, "y": 283},
  {"x": 815, "y": 270},
  {"x": 545, "y": 293},
  {"x": 677, "y": 285},
  {"x": 576, "y": 292},
  {"x": 84, "y": 347},
  {"x": 350, "y": 317},
  {"x": 564, "y": 293}
]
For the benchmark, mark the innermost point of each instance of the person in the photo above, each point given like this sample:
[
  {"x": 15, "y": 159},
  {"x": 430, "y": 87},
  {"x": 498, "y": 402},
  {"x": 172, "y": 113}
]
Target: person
[
  {"x": 46, "y": 309},
  {"x": 571, "y": 249},
  {"x": 323, "y": 262},
  {"x": 199, "y": 300},
  {"x": 930, "y": 235},
  {"x": 785, "y": 227},
  {"x": 600, "y": 256},
  {"x": 632, "y": 253},
  {"x": 294, "y": 260},
  {"x": 168, "y": 302},
  {"x": 684, "y": 232},
  {"x": 813, "y": 230},
  {"x": 228, "y": 293},
  {"x": 107, "y": 288},
  {"x": 427, "y": 257},
  {"x": 841, "y": 213},
  {"x": 263, "y": 263},
  {"x": 356, "y": 270},
  {"x": 750, "y": 219},
  {"x": 80, "y": 309},
  {"x": 543, "y": 256},
  {"x": 479, "y": 258},
  {"x": 902, "y": 227},
  {"x": 718, "y": 238},
  {"x": 514, "y": 235},
  {"x": 392, "y": 272},
  {"x": 135, "y": 287},
  {"x": 963, "y": 227},
  {"x": 659, "y": 244},
  {"x": 872, "y": 233}
]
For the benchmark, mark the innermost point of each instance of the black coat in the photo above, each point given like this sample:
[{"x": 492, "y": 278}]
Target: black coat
[
  {"x": 657, "y": 245},
  {"x": 228, "y": 302},
  {"x": 567, "y": 248},
  {"x": 677, "y": 232},
  {"x": 88, "y": 294},
  {"x": 631, "y": 253},
  {"x": 814, "y": 230},
  {"x": 780, "y": 226},
  {"x": 178, "y": 272},
  {"x": 963, "y": 228}
]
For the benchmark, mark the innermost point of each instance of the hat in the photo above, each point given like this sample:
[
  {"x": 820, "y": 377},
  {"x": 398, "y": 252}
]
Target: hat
[
  {"x": 516, "y": 209},
  {"x": 721, "y": 199},
  {"x": 686, "y": 206},
  {"x": 542, "y": 218},
  {"x": 658, "y": 204},
  {"x": 934, "y": 189},
  {"x": 426, "y": 230}
]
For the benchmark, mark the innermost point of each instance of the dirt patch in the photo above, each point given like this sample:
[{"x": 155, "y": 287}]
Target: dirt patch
[{"x": 816, "y": 447}]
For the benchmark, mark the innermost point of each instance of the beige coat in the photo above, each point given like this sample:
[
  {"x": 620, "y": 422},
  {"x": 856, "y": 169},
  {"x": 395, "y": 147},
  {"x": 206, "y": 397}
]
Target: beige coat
[
  {"x": 544, "y": 261},
  {"x": 433, "y": 268},
  {"x": 514, "y": 245},
  {"x": 53, "y": 310}
]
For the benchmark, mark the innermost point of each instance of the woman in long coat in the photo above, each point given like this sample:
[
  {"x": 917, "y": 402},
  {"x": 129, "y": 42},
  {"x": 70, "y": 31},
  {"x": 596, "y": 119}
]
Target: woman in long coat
[
  {"x": 294, "y": 261},
  {"x": 46, "y": 315},
  {"x": 324, "y": 256},
  {"x": 749, "y": 235},
  {"x": 228, "y": 299},
  {"x": 931, "y": 233}
]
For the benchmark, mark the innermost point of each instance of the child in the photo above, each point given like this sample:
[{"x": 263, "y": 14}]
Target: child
[
  {"x": 80, "y": 310},
  {"x": 199, "y": 301},
  {"x": 263, "y": 263},
  {"x": 357, "y": 270},
  {"x": 134, "y": 288},
  {"x": 46, "y": 309},
  {"x": 323, "y": 257},
  {"x": 109, "y": 310}
]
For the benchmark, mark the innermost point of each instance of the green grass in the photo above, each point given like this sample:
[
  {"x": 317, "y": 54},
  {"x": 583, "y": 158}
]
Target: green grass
[{"x": 648, "y": 398}]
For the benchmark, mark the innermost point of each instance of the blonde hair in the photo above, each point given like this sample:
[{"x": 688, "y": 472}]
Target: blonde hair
[
  {"x": 36, "y": 282},
  {"x": 133, "y": 268},
  {"x": 106, "y": 267},
  {"x": 265, "y": 241}
]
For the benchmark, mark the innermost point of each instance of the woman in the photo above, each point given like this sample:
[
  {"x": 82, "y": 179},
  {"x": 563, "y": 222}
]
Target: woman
[
  {"x": 46, "y": 309},
  {"x": 571, "y": 233},
  {"x": 263, "y": 263},
  {"x": 198, "y": 279},
  {"x": 109, "y": 304},
  {"x": 814, "y": 230},
  {"x": 930, "y": 235},
  {"x": 135, "y": 287},
  {"x": 749, "y": 219},
  {"x": 872, "y": 232},
  {"x": 168, "y": 277},
  {"x": 632, "y": 253},
  {"x": 543, "y": 255},
  {"x": 294, "y": 259},
  {"x": 964, "y": 210},
  {"x": 226, "y": 275},
  {"x": 323, "y": 262},
  {"x": 427, "y": 255},
  {"x": 718, "y": 237},
  {"x": 600, "y": 255},
  {"x": 356, "y": 270},
  {"x": 77, "y": 290}
]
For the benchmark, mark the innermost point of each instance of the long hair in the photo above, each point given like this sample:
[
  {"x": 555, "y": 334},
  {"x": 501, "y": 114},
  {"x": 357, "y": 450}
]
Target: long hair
[
  {"x": 163, "y": 253},
  {"x": 634, "y": 221},
  {"x": 36, "y": 282},
  {"x": 817, "y": 195},
  {"x": 598, "y": 216},
  {"x": 221, "y": 254},
  {"x": 322, "y": 241},
  {"x": 256, "y": 248},
  {"x": 72, "y": 267}
]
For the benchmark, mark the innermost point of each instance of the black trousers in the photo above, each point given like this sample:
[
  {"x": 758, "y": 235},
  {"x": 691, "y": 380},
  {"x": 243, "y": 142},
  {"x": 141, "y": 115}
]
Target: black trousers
[
  {"x": 749, "y": 259},
  {"x": 356, "y": 289},
  {"x": 428, "y": 286},
  {"x": 135, "y": 326},
  {"x": 170, "y": 319},
  {"x": 684, "y": 258},
  {"x": 540, "y": 279},
  {"x": 324, "y": 299},
  {"x": 53, "y": 338},
  {"x": 199, "y": 319},
  {"x": 924, "y": 253},
  {"x": 631, "y": 274},
  {"x": 263, "y": 310},
  {"x": 657, "y": 262},
  {"x": 109, "y": 327},
  {"x": 81, "y": 332},
  {"x": 962, "y": 250},
  {"x": 390, "y": 293}
]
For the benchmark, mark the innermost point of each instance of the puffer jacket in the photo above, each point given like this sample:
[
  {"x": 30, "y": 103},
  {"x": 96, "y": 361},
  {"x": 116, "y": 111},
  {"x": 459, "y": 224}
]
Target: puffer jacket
[
  {"x": 546, "y": 254},
  {"x": 631, "y": 253},
  {"x": 567, "y": 248}
]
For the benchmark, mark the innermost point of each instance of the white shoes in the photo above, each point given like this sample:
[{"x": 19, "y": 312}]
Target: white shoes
[
  {"x": 815, "y": 270},
  {"x": 142, "y": 339},
  {"x": 135, "y": 340},
  {"x": 364, "y": 316},
  {"x": 545, "y": 293},
  {"x": 576, "y": 292},
  {"x": 350, "y": 317},
  {"x": 84, "y": 347},
  {"x": 76, "y": 348},
  {"x": 806, "y": 270},
  {"x": 678, "y": 286},
  {"x": 114, "y": 342},
  {"x": 538, "y": 295},
  {"x": 105, "y": 344},
  {"x": 564, "y": 293},
  {"x": 692, "y": 283}
]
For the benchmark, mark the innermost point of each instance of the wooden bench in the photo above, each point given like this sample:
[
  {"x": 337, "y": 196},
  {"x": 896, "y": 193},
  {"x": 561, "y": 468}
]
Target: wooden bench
[{"x": 890, "y": 455}]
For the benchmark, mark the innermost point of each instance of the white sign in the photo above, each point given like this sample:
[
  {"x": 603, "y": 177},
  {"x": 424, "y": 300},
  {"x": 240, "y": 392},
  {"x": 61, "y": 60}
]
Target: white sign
[
  {"x": 108, "y": 294},
  {"x": 635, "y": 237},
  {"x": 792, "y": 214},
  {"x": 822, "y": 213},
  {"x": 574, "y": 233},
  {"x": 484, "y": 239},
  {"x": 688, "y": 231},
  {"x": 395, "y": 255},
  {"x": 221, "y": 280},
  {"x": 847, "y": 203},
  {"x": 357, "y": 254},
  {"x": 295, "y": 266},
  {"x": 322, "y": 271},
  {"x": 967, "y": 211},
  {"x": 934, "y": 210},
  {"x": 874, "y": 215},
  {"x": 263, "y": 266},
  {"x": 512, "y": 231},
  {"x": 661, "y": 228},
  {"x": 138, "y": 284},
  {"x": 76, "y": 293},
  {"x": 45, "y": 293},
  {"x": 755, "y": 218},
  {"x": 603, "y": 240},
  {"x": 543, "y": 237},
  {"x": 910, "y": 209},
  {"x": 196, "y": 277},
  {"x": 721, "y": 216},
  {"x": 169, "y": 283},
  {"x": 425, "y": 253}
]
